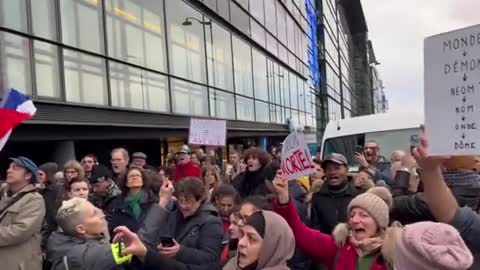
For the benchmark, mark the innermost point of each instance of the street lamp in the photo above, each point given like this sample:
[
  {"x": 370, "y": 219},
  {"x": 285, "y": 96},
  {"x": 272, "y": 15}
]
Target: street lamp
[{"x": 188, "y": 21}]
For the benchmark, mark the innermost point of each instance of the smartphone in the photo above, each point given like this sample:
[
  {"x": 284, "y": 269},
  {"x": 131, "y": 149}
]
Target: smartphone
[
  {"x": 167, "y": 241},
  {"x": 402, "y": 178},
  {"x": 120, "y": 246},
  {"x": 359, "y": 149}
]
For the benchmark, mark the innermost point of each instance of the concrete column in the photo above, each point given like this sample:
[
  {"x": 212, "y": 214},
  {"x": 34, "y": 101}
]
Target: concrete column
[{"x": 64, "y": 151}]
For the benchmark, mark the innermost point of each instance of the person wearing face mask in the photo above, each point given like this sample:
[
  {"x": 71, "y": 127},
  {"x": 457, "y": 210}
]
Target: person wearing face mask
[
  {"x": 253, "y": 181},
  {"x": 329, "y": 205},
  {"x": 80, "y": 244},
  {"x": 131, "y": 207},
  {"x": 192, "y": 234},
  {"x": 355, "y": 245},
  {"x": 185, "y": 166}
]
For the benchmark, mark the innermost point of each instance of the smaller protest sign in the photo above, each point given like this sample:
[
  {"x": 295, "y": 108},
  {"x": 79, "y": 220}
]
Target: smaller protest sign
[
  {"x": 208, "y": 132},
  {"x": 296, "y": 158}
]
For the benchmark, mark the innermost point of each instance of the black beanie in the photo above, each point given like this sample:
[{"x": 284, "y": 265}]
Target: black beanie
[{"x": 257, "y": 221}]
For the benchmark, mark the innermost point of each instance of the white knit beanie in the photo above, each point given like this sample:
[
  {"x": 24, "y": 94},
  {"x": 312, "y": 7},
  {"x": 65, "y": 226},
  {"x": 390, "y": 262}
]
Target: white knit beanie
[{"x": 377, "y": 202}]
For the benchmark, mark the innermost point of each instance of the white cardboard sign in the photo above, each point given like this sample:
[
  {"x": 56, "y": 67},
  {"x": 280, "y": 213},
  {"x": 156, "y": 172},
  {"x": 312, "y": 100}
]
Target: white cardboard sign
[
  {"x": 207, "y": 132},
  {"x": 296, "y": 159},
  {"x": 452, "y": 92}
]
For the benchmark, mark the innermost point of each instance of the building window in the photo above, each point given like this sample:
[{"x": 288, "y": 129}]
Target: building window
[
  {"x": 13, "y": 14},
  {"x": 270, "y": 18},
  {"x": 240, "y": 19},
  {"x": 245, "y": 109},
  {"x": 212, "y": 4},
  {"x": 82, "y": 24},
  {"x": 221, "y": 74},
  {"x": 243, "y": 3},
  {"x": 290, "y": 33},
  {"x": 272, "y": 45},
  {"x": 46, "y": 69},
  {"x": 280, "y": 119},
  {"x": 284, "y": 86},
  {"x": 257, "y": 9},
  {"x": 222, "y": 104},
  {"x": 242, "y": 62},
  {"x": 15, "y": 62},
  {"x": 293, "y": 91},
  {"x": 136, "y": 32},
  {"x": 43, "y": 19},
  {"x": 138, "y": 89},
  {"x": 282, "y": 26},
  {"x": 186, "y": 42},
  {"x": 189, "y": 98},
  {"x": 301, "y": 95},
  {"x": 85, "y": 80},
  {"x": 224, "y": 8},
  {"x": 260, "y": 75},
  {"x": 261, "y": 112},
  {"x": 258, "y": 33}
]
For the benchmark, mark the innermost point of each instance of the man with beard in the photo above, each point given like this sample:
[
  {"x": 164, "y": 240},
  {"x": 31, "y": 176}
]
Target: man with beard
[{"x": 376, "y": 164}]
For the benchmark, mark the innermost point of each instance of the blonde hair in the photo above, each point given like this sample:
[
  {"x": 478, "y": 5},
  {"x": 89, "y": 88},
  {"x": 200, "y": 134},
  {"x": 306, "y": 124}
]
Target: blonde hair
[
  {"x": 70, "y": 215},
  {"x": 73, "y": 164}
]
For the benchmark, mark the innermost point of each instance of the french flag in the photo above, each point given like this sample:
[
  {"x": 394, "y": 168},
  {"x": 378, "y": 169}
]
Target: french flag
[{"x": 15, "y": 108}]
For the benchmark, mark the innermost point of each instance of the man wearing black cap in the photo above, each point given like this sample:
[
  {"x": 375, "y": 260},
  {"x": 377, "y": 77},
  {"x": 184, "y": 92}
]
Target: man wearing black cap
[
  {"x": 22, "y": 210},
  {"x": 104, "y": 189},
  {"x": 329, "y": 205}
]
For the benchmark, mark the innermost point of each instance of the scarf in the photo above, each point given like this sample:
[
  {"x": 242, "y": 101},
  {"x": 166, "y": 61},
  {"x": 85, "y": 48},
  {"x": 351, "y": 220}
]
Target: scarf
[
  {"x": 133, "y": 202},
  {"x": 461, "y": 178},
  {"x": 368, "y": 246}
]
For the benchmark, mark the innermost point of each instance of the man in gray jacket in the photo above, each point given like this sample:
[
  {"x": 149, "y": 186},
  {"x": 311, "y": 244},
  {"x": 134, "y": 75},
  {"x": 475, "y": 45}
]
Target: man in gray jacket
[
  {"x": 22, "y": 210},
  {"x": 443, "y": 204},
  {"x": 81, "y": 244}
]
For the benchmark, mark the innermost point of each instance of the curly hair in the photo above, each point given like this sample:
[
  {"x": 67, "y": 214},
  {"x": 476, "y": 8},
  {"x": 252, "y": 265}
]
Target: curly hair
[{"x": 260, "y": 154}]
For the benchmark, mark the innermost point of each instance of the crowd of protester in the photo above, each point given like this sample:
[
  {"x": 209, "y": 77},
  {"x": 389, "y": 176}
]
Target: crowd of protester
[{"x": 410, "y": 211}]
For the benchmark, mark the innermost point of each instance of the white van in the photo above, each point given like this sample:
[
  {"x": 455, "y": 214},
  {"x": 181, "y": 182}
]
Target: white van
[{"x": 392, "y": 131}]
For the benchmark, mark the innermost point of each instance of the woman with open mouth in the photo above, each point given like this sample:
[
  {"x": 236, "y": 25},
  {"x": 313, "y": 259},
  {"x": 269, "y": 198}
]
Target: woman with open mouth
[{"x": 356, "y": 245}]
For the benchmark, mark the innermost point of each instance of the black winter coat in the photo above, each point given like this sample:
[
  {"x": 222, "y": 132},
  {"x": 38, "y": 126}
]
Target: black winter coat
[
  {"x": 120, "y": 214},
  {"x": 252, "y": 183},
  {"x": 52, "y": 195},
  {"x": 200, "y": 236},
  {"x": 408, "y": 209},
  {"x": 329, "y": 207}
]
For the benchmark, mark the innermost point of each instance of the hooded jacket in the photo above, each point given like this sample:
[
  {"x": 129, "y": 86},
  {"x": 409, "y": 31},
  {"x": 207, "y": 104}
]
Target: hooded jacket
[
  {"x": 324, "y": 248},
  {"x": 200, "y": 236},
  {"x": 69, "y": 253},
  {"x": 278, "y": 245},
  {"x": 20, "y": 225},
  {"x": 186, "y": 170}
]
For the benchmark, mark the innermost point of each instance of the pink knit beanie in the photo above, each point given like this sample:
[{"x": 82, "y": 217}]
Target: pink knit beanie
[{"x": 431, "y": 246}]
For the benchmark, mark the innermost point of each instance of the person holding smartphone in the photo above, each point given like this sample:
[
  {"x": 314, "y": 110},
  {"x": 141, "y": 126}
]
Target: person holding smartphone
[{"x": 191, "y": 234}]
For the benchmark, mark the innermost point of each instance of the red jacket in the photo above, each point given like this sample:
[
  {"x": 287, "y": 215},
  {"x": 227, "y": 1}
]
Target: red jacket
[
  {"x": 321, "y": 247},
  {"x": 187, "y": 170}
]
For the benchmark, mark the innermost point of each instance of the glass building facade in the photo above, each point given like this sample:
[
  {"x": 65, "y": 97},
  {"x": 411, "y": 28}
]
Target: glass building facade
[
  {"x": 236, "y": 60},
  {"x": 339, "y": 84}
]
